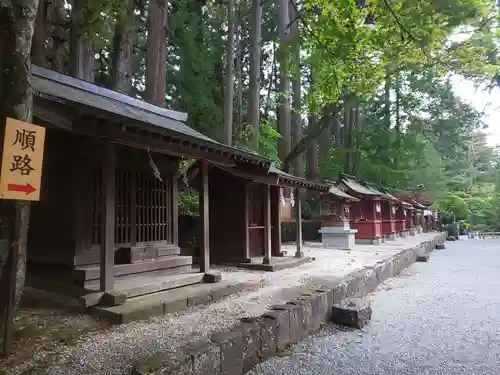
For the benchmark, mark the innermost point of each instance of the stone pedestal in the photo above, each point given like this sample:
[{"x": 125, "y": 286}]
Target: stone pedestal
[
  {"x": 413, "y": 231},
  {"x": 340, "y": 236},
  {"x": 419, "y": 229}
]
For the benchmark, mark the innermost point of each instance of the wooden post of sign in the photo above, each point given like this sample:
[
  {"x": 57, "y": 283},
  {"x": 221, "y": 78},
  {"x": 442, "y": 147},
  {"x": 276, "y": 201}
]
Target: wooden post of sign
[
  {"x": 20, "y": 180},
  {"x": 18, "y": 233}
]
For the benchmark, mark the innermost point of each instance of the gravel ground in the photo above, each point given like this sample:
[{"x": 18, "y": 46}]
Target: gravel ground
[
  {"x": 113, "y": 351},
  {"x": 438, "y": 318}
]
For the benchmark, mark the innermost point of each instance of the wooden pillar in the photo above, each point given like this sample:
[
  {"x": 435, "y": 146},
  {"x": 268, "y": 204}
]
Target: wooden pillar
[
  {"x": 246, "y": 235},
  {"x": 267, "y": 224},
  {"x": 175, "y": 213},
  {"x": 298, "y": 221},
  {"x": 204, "y": 217},
  {"x": 276, "y": 220},
  {"x": 107, "y": 218}
]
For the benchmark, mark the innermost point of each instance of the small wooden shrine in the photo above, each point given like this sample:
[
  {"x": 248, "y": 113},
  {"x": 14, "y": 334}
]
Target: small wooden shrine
[
  {"x": 390, "y": 207},
  {"x": 245, "y": 226},
  {"x": 366, "y": 214},
  {"x": 335, "y": 219}
]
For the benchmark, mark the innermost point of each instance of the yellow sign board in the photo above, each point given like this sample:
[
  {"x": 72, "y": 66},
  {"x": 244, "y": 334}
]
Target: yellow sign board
[{"x": 22, "y": 160}]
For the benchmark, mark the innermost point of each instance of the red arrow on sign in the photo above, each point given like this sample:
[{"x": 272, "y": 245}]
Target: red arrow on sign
[{"x": 28, "y": 189}]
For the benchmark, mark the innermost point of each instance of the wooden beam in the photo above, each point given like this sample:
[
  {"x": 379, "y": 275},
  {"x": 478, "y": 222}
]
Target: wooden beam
[
  {"x": 298, "y": 221},
  {"x": 267, "y": 224},
  {"x": 276, "y": 220},
  {"x": 246, "y": 235},
  {"x": 175, "y": 213},
  {"x": 147, "y": 141},
  {"x": 107, "y": 218},
  {"x": 204, "y": 216}
]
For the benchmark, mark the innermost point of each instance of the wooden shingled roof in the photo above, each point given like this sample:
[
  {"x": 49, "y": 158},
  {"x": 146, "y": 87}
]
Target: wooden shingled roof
[{"x": 58, "y": 91}]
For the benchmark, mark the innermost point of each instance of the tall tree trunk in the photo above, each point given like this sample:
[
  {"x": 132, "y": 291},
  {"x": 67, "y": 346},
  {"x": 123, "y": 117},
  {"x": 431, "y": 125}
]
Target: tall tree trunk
[
  {"x": 38, "y": 45},
  {"x": 229, "y": 79},
  {"x": 272, "y": 84},
  {"x": 121, "y": 56},
  {"x": 359, "y": 122},
  {"x": 387, "y": 100},
  {"x": 156, "y": 52},
  {"x": 298, "y": 165},
  {"x": 239, "y": 79},
  {"x": 81, "y": 58},
  {"x": 284, "y": 144},
  {"x": 58, "y": 35},
  {"x": 254, "y": 92},
  {"x": 324, "y": 146},
  {"x": 312, "y": 147},
  {"x": 348, "y": 125},
  {"x": 16, "y": 101}
]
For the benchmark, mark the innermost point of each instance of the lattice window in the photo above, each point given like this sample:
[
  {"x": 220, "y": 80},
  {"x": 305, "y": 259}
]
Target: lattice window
[{"x": 142, "y": 208}]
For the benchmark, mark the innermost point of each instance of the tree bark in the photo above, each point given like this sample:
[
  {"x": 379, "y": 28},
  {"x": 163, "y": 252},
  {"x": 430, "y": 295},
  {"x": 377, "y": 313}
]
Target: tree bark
[
  {"x": 156, "y": 52},
  {"x": 298, "y": 168},
  {"x": 16, "y": 101},
  {"x": 284, "y": 120},
  {"x": 239, "y": 79},
  {"x": 229, "y": 78},
  {"x": 81, "y": 58},
  {"x": 312, "y": 150},
  {"x": 38, "y": 44},
  {"x": 324, "y": 146},
  {"x": 59, "y": 35},
  {"x": 121, "y": 57},
  {"x": 254, "y": 91}
]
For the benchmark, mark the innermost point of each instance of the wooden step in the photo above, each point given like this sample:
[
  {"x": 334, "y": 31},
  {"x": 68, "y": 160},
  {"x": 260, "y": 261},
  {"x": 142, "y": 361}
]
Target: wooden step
[
  {"x": 161, "y": 273},
  {"x": 85, "y": 273}
]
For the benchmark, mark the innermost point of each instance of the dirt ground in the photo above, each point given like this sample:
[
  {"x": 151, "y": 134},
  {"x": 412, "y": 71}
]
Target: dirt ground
[{"x": 41, "y": 330}]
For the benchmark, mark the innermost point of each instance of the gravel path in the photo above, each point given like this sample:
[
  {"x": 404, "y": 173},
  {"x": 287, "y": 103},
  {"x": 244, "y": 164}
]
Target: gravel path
[
  {"x": 114, "y": 350},
  {"x": 439, "y": 318}
]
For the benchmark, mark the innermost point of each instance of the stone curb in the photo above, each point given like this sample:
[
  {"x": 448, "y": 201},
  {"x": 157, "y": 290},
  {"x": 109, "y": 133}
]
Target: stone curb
[{"x": 256, "y": 339}]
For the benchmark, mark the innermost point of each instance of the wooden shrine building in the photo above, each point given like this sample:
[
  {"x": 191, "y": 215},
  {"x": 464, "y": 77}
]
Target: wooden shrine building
[
  {"x": 107, "y": 218},
  {"x": 389, "y": 207},
  {"x": 245, "y": 225},
  {"x": 366, "y": 214}
]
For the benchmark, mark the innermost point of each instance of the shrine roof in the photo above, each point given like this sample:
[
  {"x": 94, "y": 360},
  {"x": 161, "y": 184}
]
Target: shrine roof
[
  {"x": 341, "y": 194},
  {"x": 88, "y": 97},
  {"x": 360, "y": 188},
  {"x": 270, "y": 176}
]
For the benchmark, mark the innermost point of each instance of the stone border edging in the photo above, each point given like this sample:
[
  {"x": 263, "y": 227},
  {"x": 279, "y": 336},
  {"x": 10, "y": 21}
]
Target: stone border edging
[{"x": 257, "y": 339}]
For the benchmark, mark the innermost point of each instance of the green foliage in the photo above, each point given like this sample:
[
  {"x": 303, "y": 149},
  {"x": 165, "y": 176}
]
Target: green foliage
[
  {"x": 452, "y": 204},
  {"x": 188, "y": 201},
  {"x": 496, "y": 201}
]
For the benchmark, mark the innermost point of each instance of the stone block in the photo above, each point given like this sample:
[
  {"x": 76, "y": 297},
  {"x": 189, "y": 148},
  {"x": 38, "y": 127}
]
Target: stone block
[
  {"x": 325, "y": 300},
  {"x": 450, "y": 238},
  {"x": 295, "y": 322},
  {"x": 250, "y": 331},
  {"x": 164, "y": 363},
  {"x": 113, "y": 298},
  {"x": 205, "y": 357},
  {"x": 212, "y": 277},
  {"x": 304, "y": 309},
  {"x": 282, "y": 318},
  {"x": 353, "y": 281},
  {"x": 352, "y": 312},
  {"x": 268, "y": 337},
  {"x": 440, "y": 246},
  {"x": 371, "y": 281},
  {"x": 231, "y": 351},
  {"x": 423, "y": 258},
  {"x": 339, "y": 292}
]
